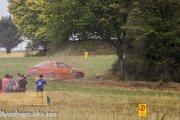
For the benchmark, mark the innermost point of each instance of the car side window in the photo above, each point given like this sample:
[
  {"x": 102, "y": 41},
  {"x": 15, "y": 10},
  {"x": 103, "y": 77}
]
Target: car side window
[
  {"x": 61, "y": 65},
  {"x": 41, "y": 64},
  {"x": 54, "y": 65}
]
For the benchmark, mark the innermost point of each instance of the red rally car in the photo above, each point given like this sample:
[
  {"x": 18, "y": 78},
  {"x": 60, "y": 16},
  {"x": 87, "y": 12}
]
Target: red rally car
[{"x": 55, "y": 69}]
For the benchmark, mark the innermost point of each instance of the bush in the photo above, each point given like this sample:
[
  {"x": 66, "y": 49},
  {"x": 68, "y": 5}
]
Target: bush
[{"x": 147, "y": 71}]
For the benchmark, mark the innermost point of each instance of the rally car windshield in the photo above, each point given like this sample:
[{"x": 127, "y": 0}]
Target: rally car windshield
[{"x": 41, "y": 64}]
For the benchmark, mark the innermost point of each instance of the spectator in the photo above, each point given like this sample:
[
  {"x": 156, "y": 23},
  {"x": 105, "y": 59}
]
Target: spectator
[
  {"x": 18, "y": 78},
  {"x": 40, "y": 84},
  {"x": 22, "y": 84},
  {"x": 4, "y": 83},
  {"x": 17, "y": 81},
  {"x": 11, "y": 84}
]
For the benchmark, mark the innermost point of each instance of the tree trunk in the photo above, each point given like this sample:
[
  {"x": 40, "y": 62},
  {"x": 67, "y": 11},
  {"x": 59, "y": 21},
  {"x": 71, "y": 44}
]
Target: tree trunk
[
  {"x": 120, "y": 71},
  {"x": 8, "y": 51},
  {"x": 118, "y": 45},
  {"x": 45, "y": 48}
]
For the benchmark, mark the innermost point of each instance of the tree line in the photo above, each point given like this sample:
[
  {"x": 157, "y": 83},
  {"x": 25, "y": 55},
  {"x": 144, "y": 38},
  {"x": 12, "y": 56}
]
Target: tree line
[
  {"x": 145, "y": 33},
  {"x": 9, "y": 35}
]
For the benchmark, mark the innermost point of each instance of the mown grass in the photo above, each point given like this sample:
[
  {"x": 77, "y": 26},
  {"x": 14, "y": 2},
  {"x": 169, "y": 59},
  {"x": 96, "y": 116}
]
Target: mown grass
[
  {"x": 92, "y": 65},
  {"x": 79, "y": 101}
]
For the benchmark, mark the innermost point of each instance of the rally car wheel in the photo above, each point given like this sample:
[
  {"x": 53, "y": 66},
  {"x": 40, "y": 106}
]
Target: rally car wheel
[{"x": 79, "y": 75}]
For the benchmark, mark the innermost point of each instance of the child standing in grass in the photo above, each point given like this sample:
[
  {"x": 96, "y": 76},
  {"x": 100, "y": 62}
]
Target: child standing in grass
[{"x": 40, "y": 84}]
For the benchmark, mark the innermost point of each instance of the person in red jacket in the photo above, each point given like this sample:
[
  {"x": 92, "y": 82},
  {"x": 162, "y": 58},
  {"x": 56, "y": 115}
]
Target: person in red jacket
[{"x": 4, "y": 83}]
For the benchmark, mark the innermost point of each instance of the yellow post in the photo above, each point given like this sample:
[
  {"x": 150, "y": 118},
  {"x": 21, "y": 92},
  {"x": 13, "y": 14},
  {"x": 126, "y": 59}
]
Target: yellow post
[{"x": 86, "y": 55}]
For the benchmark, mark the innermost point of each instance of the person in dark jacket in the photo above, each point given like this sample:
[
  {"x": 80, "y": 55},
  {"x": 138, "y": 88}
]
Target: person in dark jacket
[{"x": 23, "y": 84}]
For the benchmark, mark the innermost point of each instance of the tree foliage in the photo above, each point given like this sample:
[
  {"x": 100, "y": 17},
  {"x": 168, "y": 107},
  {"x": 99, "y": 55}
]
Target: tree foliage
[
  {"x": 155, "y": 50},
  {"x": 9, "y": 36},
  {"x": 30, "y": 19},
  {"x": 146, "y": 32},
  {"x": 101, "y": 19}
]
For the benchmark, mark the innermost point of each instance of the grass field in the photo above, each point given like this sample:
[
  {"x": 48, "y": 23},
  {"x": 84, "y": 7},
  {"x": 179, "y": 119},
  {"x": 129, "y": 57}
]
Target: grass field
[
  {"x": 93, "y": 100},
  {"x": 11, "y": 55},
  {"x": 93, "y": 65}
]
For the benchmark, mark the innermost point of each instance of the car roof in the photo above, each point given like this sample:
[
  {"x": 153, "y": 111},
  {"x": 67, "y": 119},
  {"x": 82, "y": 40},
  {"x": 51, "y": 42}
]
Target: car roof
[{"x": 50, "y": 62}]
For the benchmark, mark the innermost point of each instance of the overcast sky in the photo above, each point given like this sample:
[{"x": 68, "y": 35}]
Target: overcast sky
[
  {"x": 4, "y": 12},
  {"x": 3, "y": 8}
]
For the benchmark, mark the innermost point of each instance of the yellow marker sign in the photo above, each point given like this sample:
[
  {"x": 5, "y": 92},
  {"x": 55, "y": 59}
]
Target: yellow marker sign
[
  {"x": 142, "y": 110},
  {"x": 86, "y": 55}
]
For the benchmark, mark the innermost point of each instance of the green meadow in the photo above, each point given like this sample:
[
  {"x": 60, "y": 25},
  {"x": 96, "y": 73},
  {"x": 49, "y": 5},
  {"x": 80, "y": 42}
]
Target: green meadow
[{"x": 90, "y": 99}]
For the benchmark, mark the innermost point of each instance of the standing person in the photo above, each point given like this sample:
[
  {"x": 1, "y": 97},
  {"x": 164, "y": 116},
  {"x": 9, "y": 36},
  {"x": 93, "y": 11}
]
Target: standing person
[
  {"x": 18, "y": 78},
  {"x": 4, "y": 83},
  {"x": 17, "y": 81},
  {"x": 40, "y": 84},
  {"x": 22, "y": 84},
  {"x": 11, "y": 84}
]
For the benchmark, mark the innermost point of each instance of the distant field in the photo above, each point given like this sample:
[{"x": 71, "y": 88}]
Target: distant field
[
  {"x": 82, "y": 100},
  {"x": 13, "y": 54}
]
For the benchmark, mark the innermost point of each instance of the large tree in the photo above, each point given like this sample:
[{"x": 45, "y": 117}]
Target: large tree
[
  {"x": 9, "y": 36},
  {"x": 100, "y": 19},
  {"x": 30, "y": 19}
]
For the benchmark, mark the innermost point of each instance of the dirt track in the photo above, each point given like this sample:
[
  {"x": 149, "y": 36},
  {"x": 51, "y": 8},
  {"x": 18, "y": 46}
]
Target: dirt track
[{"x": 127, "y": 84}]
